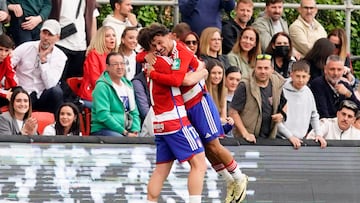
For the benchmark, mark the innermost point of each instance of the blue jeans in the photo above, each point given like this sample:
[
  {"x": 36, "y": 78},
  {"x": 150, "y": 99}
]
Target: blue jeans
[
  {"x": 49, "y": 100},
  {"x": 107, "y": 132},
  {"x": 19, "y": 35}
]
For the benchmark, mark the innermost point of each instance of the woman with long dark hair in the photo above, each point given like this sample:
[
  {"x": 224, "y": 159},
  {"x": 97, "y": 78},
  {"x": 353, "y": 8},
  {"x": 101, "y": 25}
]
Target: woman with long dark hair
[
  {"x": 245, "y": 50},
  {"x": 191, "y": 39},
  {"x": 67, "y": 121},
  {"x": 280, "y": 48},
  {"x": 318, "y": 55},
  {"x": 18, "y": 120},
  {"x": 127, "y": 49}
]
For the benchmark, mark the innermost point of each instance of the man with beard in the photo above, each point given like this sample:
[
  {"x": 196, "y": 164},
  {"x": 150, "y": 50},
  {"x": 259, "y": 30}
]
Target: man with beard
[
  {"x": 257, "y": 102},
  {"x": 341, "y": 127},
  {"x": 232, "y": 27},
  {"x": 39, "y": 66},
  {"x": 271, "y": 23},
  {"x": 329, "y": 90},
  {"x": 121, "y": 17}
]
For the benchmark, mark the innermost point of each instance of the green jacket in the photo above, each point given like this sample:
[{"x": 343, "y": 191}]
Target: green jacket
[
  {"x": 108, "y": 110},
  {"x": 34, "y": 8},
  {"x": 238, "y": 61}
]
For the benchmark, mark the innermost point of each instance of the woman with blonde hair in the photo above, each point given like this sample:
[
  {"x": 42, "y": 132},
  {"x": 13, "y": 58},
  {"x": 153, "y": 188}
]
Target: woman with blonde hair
[
  {"x": 245, "y": 50},
  {"x": 211, "y": 46},
  {"x": 101, "y": 44}
]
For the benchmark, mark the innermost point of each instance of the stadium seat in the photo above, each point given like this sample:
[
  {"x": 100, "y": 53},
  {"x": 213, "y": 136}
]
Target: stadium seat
[
  {"x": 85, "y": 113},
  {"x": 43, "y": 119}
]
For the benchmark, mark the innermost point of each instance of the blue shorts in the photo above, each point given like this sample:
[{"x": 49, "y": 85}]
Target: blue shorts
[
  {"x": 205, "y": 118},
  {"x": 182, "y": 145}
]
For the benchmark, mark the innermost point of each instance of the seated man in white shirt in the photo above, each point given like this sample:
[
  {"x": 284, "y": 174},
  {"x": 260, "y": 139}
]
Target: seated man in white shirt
[
  {"x": 39, "y": 66},
  {"x": 341, "y": 127}
]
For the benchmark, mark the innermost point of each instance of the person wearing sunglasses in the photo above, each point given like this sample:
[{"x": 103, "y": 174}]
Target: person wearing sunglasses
[
  {"x": 257, "y": 102},
  {"x": 114, "y": 111},
  {"x": 338, "y": 37},
  {"x": 341, "y": 127},
  {"x": 191, "y": 40},
  {"x": 317, "y": 57},
  {"x": 211, "y": 46}
]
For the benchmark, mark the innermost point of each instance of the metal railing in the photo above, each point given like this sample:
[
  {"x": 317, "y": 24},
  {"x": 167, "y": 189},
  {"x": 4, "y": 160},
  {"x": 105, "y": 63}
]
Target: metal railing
[{"x": 348, "y": 7}]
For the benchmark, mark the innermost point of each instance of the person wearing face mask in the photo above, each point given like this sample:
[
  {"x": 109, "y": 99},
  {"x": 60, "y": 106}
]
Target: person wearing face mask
[{"x": 280, "y": 47}]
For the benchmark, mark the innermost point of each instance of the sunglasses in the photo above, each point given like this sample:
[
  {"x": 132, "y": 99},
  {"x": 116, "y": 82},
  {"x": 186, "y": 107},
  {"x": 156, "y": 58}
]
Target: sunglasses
[
  {"x": 189, "y": 42},
  {"x": 337, "y": 46},
  {"x": 348, "y": 104},
  {"x": 263, "y": 56}
]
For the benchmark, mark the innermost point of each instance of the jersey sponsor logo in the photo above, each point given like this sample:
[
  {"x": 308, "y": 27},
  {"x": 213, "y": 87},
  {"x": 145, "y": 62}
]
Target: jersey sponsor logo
[
  {"x": 158, "y": 127},
  {"x": 176, "y": 65}
]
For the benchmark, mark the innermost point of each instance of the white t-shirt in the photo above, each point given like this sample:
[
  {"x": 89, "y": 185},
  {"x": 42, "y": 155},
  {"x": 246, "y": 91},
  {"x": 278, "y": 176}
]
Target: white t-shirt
[
  {"x": 118, "y": 26},
  {"x": 130, "y": 65},
  {"x": 122, "y": 94},
  {"x": 49, "y": 130},
  {"x": 20, "y": 123},
  {"x": 77, "y": 41}
]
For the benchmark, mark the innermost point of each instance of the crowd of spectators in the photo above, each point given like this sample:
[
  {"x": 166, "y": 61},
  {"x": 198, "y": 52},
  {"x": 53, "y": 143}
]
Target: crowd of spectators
[
  {"x": 205, "y": 80},
  {"x": 259, "y": 70}
]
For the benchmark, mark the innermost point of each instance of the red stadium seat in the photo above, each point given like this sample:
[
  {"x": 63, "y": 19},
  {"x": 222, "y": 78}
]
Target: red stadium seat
[
  {"x": 84, "y": 116},
  {"x": 43, "y": 119}
]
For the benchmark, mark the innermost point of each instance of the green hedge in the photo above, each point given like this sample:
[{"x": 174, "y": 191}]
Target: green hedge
[{"x": 330, "y": 19}]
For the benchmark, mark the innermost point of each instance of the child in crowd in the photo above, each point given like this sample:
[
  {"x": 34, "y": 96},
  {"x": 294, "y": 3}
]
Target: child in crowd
[
  {"x": 301, "y": 107},
  {"x": 6, "y": 70}
]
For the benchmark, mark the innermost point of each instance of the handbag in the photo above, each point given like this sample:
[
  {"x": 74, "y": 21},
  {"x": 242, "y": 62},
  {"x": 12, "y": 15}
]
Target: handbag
[{"x": 70, "y": 29}]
